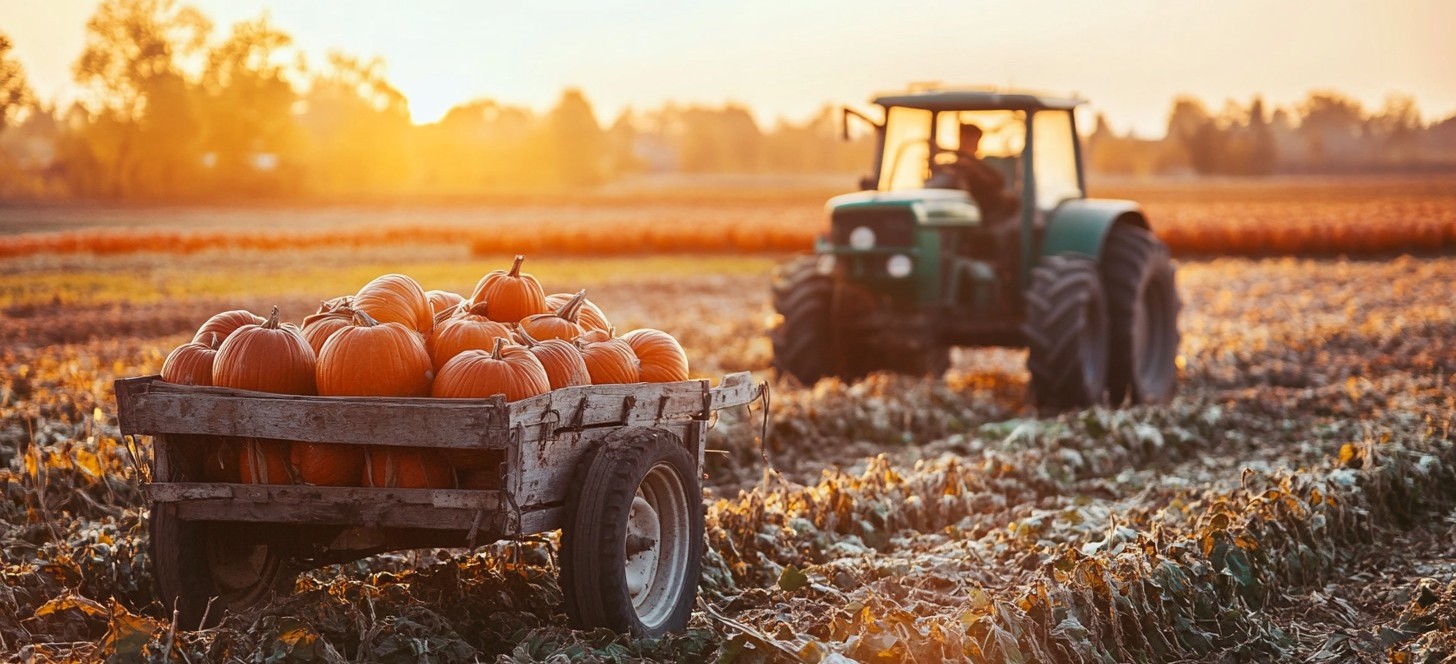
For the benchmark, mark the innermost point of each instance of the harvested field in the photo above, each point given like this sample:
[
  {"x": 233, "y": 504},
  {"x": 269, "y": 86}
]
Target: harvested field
[{"x": 901, "y": 520}]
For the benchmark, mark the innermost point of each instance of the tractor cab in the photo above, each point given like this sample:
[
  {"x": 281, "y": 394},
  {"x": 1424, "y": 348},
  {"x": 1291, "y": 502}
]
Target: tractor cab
[{"x": 981, "y": 245}]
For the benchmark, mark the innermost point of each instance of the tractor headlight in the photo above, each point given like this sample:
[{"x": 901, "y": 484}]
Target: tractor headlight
[
  {"x": 825, "y": 265},
  {"x": 862, "y": 238},
  {"x": 899, "y": 266}
]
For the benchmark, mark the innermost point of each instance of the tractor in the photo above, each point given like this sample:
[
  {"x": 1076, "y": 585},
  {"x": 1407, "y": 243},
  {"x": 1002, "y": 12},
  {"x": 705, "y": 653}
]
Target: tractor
[{"x": 914, "y": 264}]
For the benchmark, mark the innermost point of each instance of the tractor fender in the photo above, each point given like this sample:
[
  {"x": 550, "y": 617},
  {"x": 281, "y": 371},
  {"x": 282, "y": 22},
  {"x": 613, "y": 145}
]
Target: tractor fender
[{"x": 1080, "y": 226}]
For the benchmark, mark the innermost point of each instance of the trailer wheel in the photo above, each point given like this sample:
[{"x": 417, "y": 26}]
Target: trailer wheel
[
  {"x": 195, "y": 562},
  {"x": 632, "y": 541}
]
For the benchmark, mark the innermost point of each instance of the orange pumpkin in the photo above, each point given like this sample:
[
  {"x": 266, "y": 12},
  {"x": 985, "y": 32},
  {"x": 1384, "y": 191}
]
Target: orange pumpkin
[
  {"x": 264, "y": 461},
  {"x": 660, "y": 358},
  {"x": 591, "y": 316},
  {"x": 323, "y": 326},
  {"x": 191, "y": 363},
  {"x": 441, "y": 301},
  {"x": 395, "y": 298},
  {"x": 560, "y": 324},
  {"x": 224, "y": 324},
  {"x": 374, "y": 359},
  {"x": 470, "y": 330},
  {"x": 268, "y": 357},
  {"x": 511, "y": 295},
  {"x": 562, "y": 361},
  {"x": 407, "y": 468},
  {"x": 511, "y": 371},
  {"x": 609, "y": 360}
]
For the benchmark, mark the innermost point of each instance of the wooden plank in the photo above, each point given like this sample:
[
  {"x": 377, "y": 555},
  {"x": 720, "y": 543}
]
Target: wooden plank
[
  {"x": 632, "y": 404},
  {"x": 736, "y": 389},
  {"x": 547, "y": 466},
  {"x": 448, "y": 509},
  {"x": 542, "y": 520},
  {"x": 450, "y": 423}
]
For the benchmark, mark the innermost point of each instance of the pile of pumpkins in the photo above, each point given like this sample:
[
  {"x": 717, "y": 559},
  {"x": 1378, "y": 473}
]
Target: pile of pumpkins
[{"x": 394, "y": 339}]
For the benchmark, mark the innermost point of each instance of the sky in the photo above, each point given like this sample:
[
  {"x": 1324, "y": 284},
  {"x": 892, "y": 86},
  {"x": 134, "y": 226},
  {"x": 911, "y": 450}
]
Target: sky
[{"x": 789, "y": 58}]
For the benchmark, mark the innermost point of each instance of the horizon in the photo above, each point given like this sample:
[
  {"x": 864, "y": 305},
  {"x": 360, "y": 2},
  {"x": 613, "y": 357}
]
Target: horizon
[{"x": 442, "y": 63}]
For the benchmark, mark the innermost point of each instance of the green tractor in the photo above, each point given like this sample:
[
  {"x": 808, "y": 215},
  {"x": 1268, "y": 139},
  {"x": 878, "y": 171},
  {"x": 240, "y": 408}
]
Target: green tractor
[{"x": 993, "y": 244}]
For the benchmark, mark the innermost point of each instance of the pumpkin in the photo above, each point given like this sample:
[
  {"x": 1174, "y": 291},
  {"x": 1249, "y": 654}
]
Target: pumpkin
[
  {"x": 395, "y": 298},
  {"x": 511, "y": 296},
  {"x": 370, "y": 358},
  {"x": 443, "y": 301},
  {"x": 591, "y": 316},
  {"x": 609, "y": 360},
  {"x": 407, "y": 468},
  {"x": 511, "y": 371},
  {"x": 660, "y": 358},
  {"x": 191, "y": 363},
  {"x": 334, "y": 304},
  {"x": 323, "y": 326},
  {"x": 562, "y": 361},
  {"x": 560, "y": 324},
  {"x": 224, "y": 324},
  {"x": 267, "y": 357},
  {"x": 264, "y": 461},
  {"x": 470, "y": 330}
]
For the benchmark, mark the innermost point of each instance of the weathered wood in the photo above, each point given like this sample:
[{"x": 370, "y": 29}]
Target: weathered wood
[
  {"x": 451, "y": 423},
  {"x": 736, "y": 389},
  {"x": 547, "y": 466},
  {"x": 446, "y": 509},
  {"x": 542, "y": 520},
  {"x": 634, "y": 404}
]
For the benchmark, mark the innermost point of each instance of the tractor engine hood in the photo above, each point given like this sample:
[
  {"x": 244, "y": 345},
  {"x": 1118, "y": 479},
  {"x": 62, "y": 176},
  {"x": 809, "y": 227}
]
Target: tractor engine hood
[{"x": 937, "y": 206}]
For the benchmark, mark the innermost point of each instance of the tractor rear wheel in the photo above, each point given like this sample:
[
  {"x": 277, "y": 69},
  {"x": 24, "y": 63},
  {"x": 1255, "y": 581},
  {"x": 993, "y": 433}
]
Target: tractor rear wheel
[
  {"x": 1066, "y": 333},
  {"x": 803, "y": 344},
  {"x": 1142, "y": 308}
]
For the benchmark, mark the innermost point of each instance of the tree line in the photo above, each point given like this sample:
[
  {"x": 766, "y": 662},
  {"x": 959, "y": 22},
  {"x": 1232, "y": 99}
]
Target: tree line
[
  {"x": 174, "y": 109},
  {"x": 1327, "y": 132}
]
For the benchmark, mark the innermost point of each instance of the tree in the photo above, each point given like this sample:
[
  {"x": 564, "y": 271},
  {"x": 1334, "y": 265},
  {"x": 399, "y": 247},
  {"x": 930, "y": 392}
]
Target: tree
[
  {"x": 131, "y": 68},
  {"x": 578, "y": 152},
  {"x": 251, "y": 134},
  {"x": 15, "y": 93}
]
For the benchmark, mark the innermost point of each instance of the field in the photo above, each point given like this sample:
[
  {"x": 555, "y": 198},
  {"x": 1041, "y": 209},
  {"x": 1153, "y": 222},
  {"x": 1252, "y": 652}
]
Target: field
[{"x": 1296, "y": 502}]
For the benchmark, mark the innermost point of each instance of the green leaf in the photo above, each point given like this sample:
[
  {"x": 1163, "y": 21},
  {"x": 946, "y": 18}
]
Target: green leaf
[{"x": 792, "y": 579}]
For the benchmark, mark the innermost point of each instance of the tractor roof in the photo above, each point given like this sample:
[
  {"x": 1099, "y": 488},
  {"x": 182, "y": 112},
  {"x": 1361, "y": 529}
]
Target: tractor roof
[{"x": 950, "y": 99}]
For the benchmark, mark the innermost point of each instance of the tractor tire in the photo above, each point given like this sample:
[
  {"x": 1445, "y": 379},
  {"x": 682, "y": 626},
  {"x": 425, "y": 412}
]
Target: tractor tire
[
  {"x": 1142, "y": 307},
  {"x": 803, "y": 344},
  {"x": 632, "y": 542},
  {"x": 1066, "y": 333},
  {"x": 930, "y": 362}
]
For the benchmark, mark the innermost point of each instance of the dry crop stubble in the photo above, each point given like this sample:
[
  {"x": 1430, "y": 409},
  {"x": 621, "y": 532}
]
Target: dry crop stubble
[{"x": 978, "y": 532}]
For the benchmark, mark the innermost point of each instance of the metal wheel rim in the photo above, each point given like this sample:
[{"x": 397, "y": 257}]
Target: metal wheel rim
[
  {"x": 657, "y": 545},
  {"x": 240, "y": 570}
]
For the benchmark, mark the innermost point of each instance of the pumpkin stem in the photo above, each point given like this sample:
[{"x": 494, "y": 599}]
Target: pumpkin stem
[
  {"x": 475, "y": 308},
  {"x": 495, "y": 353},
  {"x": 363, "y": 319},
  {"x": 212, "y": 343},
  {"x": 272, "y": 322},
  {"x": 571, "y": 309},
  {"x": 516, "y": 269}
]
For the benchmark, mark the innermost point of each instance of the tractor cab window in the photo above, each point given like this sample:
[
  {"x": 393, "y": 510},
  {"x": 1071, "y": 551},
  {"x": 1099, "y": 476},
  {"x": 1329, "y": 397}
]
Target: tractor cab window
[
  {"x": 916, "y": 140},
  {"x": 1055, "y": 158}
]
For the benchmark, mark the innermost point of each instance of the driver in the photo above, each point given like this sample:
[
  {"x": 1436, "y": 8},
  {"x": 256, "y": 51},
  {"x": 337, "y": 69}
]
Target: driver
[{"x": 985, "y": 183}]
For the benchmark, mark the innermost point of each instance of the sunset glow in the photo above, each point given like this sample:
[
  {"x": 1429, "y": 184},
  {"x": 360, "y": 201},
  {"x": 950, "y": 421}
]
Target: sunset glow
[{"x": 788, "y": 59}]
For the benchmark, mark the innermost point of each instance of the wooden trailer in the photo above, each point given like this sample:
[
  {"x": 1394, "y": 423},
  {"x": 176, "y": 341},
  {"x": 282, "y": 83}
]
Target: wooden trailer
[{"x": 617, "y": 468}]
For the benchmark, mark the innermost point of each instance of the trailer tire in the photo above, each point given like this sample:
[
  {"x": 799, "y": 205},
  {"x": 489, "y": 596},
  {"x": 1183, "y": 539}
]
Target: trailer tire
[{"x": 632, "y": 540}]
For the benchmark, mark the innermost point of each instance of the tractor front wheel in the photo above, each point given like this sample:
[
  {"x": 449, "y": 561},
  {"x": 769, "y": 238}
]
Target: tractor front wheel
[
  {"x": 802, "y": 340},
  {"x": 1142, "y": 308},
  {"x": 1066, "y": 333}
]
